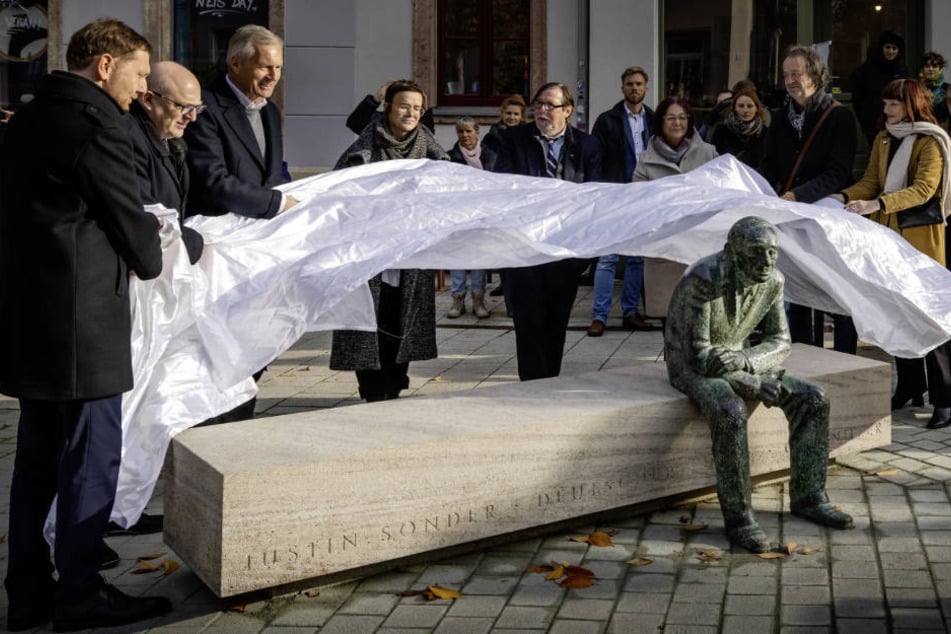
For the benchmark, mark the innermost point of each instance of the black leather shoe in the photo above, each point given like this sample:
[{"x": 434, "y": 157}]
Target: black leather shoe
[
  {"x": 940, "y": 418},
  {"x": 30, "y": 617},
  {"x": 107, "y": 607},
  {"x": 108, "y": 558},
  {"x": 146, "y": 525},
  {"x": 825, "y": 514}
]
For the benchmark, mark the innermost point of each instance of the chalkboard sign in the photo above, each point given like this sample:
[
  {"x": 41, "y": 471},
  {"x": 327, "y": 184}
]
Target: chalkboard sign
[{"x": 23, "y": 40}]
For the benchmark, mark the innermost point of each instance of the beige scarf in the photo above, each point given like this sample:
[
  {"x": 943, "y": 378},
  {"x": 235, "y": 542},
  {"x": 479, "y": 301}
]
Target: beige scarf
[{"x": 897, "y": 176}]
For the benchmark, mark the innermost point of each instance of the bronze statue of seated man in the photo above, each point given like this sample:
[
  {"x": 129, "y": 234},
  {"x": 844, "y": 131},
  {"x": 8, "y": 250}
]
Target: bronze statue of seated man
[{"x": 715, "y": 308}]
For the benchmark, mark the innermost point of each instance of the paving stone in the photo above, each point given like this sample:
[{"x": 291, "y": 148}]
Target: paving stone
[
  {"x": 805, "y": 576},
  {"x": 649, "y": 583},
  {"x": 575, "y": 627},
  {"x": 503, "y": 565},
  {"x": 907, "y": 579},
  {"x": 859, "y": 607},
  {"x": 391, "y": 582},
  {"x": 546, "y": 595},
  {"x": 457, "y": 625},
  {"x": 746, "y": 624},
  {"x": 476, "y": 606},
  {"x": 860, "y": 626},
  {"x": 918, "y": 619},
  {"x": 699, "y": 592},
  {"x": 417, "y": 616},
  {"x": 518, "y": 617},
  {"x": 805, "y": 615},
  {"x": 855, "y": 569},
  {"x": 643, "y": 603},
  {"x": 738, "y": 585},
  {"x": 911, "y": 598},
  {"x": 938, "y": 553},
  {"x": 903, "y": 561},
  {"x": 586, "y": 609},
  {"x": 750, "y": 604},
  {"x": 936, "y": 538},
  {"x": 693, "y": 614},
  {"x": 351, "y": 624},
  {"x": 369, "y": 603},
  {"x": 490, "y": 585},
  {"x": 626, "y": 623},
  {"x": 704, "y": 574}
]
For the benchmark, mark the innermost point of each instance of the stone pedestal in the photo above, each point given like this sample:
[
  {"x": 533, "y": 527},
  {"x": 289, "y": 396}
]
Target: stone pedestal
[{"x": 272, "y": 501}]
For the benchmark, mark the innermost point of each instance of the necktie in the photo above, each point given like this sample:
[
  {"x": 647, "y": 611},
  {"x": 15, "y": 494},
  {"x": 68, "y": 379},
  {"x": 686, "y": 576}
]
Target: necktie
[
  {"x": 551, "y": 161},
  {"x": 257, "y": 126}
]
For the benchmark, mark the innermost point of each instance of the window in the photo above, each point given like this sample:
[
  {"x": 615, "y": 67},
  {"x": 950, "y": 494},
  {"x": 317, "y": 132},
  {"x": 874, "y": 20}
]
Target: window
[
  {"x": 483, "y": 51},
  {"x": 23, "y": 39}
]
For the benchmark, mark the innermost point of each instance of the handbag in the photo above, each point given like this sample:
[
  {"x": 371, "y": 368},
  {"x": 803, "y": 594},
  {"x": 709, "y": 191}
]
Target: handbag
[{"x": 928, "y": 213}]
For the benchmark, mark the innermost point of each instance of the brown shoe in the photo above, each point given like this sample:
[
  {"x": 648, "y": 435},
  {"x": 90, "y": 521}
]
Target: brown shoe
[
  {"x": 636, "y": 322},
  {"x": 596, "y": 329}
]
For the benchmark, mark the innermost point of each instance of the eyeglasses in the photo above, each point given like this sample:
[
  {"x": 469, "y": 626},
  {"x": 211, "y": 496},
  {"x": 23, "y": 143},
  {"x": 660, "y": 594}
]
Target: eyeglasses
[
  {"x": 670, "y": 118},
  {"x": 544, "y": 106},
  {"x": 185, "y": 109}
]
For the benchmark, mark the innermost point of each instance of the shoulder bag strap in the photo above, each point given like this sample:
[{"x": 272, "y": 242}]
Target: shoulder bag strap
[{"x": 802, "y": 152}]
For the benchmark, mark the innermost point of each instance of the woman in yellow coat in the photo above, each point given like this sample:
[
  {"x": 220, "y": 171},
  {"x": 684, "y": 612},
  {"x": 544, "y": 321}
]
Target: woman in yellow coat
[{"x": 908, "y": 167}]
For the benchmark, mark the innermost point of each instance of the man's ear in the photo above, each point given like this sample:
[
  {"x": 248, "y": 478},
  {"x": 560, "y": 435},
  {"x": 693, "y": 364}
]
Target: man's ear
[{"x": 105, "y": 66}]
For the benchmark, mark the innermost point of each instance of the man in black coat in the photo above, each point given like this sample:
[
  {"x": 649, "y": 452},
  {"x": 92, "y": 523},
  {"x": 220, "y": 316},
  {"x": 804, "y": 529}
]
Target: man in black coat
[
  {"x": 156, "y": 126},
  {"x": 236, "y": 149},
  {"x": 542, "y": 295},
  {"x": 623, "y": 132},
  {"x": 72, "y": 231}
]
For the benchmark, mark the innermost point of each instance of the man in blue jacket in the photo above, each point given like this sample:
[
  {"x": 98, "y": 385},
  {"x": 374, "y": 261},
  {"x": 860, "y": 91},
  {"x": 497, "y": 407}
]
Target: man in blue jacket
[
  {"x": 72, "y": 231},
  {"x": 623, "y": 132},
  {"x": 542, "y": 295}
]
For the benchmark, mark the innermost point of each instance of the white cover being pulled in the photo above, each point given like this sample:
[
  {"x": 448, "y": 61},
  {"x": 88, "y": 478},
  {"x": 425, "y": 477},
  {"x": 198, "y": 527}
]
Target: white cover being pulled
[{"x": 200, "y": 331}]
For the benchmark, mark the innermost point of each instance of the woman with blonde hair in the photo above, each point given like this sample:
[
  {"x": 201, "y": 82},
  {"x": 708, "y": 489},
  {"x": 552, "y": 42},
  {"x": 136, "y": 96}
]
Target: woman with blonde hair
[{"x": 906, "y": 188}]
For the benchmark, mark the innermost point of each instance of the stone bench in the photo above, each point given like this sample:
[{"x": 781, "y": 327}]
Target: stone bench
[{"x": 274, "y": 501}]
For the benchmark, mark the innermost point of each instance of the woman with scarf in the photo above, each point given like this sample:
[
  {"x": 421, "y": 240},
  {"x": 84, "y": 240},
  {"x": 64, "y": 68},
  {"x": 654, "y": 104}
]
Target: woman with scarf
[
  {"x": 675, "y": 146},
  {"x": 404, "y": 299},
  {"x": 906, "y": 188},
  {"x": 743, "y": 132},
  {"x": 469, "y": 151},
  {"x": 810, "y": 147},
  {"x": 932, "y": 77},
  {"x": 885, "y": 63}
]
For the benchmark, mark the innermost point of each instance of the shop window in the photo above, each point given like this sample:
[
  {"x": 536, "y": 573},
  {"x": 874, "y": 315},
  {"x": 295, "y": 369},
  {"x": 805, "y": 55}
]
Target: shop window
[
  {"x": 483, "y": 51},
  {"x": 203, "y": 28},
  {"x": 23, "y": 44}
]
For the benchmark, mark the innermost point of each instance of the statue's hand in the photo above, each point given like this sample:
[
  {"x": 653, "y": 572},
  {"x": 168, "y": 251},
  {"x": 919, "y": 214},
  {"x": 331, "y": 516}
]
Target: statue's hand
[
  {"x": 770, "y": 391},
  {"x": 723, "y": 361}
]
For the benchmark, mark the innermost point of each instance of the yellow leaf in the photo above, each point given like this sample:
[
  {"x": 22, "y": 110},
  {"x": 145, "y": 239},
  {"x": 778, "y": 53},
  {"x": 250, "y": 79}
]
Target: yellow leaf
[
  {"x": 693, "y": 527},
  {"x": 600, "y": 538},
  {"x": 707, "y": 554},
  {"x": 149, "y": 557},
  {"x": 640, "y": 561},
  {"x": 772, "y": 555},
  {"x": 169, "y": 566},
  {"x": 575, "y": 582},
  {"x": 807, "y": 551},
  {"x": 313, "y": 592},
  {"x": 791, "y": 548},
  {"x": 146, "y": 566},
  {"x": 580, "y": 538},
  {"x": 444, "y": 593},
  {"x": 438, "y": 377},
  {"x": 884, "y": 474},
  {"x": 556, "y": 573}
]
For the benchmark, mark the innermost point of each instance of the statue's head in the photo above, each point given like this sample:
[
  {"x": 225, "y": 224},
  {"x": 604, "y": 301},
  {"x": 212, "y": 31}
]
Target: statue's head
[{"x": 753, "y": 246}]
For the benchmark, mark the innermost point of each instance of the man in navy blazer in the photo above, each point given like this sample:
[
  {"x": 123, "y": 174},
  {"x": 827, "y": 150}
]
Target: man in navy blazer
[
  {"x": 236, "y": 149},
  {"x": 541, "y": 296}
]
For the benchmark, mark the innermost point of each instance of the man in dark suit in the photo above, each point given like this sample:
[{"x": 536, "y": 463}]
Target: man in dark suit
[
  {"x": 236, "y": 150},
  {"x": 623, "y": 132},
  {"x": 72, "y": 230},
  {"x": 542, "y": 295}
]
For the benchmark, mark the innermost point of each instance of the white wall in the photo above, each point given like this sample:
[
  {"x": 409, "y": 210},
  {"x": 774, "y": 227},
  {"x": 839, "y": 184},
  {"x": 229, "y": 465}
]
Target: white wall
[
  {"x": 384, "y": 44},
  {"x": 623, "y": 33},
  {"x": 937, "y": 35},
  {"x": 562, "y": 42}
]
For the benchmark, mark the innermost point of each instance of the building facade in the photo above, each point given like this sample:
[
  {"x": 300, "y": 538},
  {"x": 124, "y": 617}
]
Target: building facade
[{"x": 469, "y": 54}]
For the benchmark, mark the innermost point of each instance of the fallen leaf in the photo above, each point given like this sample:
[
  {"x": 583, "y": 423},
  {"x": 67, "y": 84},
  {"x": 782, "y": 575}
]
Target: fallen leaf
[
  {"x": 577, "y": 581},
  {"x": 771, "y": 555},
  {"x": 707, "y": 554},
  {"x": 884, "y": 474},
  {"x": 438, "y": 377},
  {"x": 836, "y": 508},
  {"x": 693, "y": 527},
  {"x": 443, "y": 593},
  {"x": 640, "y": 561},
  {"x": 542, "y": 568},
  {"x": 306, "y": 368},
  {"x": 169, "y": 566},
  {"x": 791, "y": 548},
  {"x": 580, "y": 538},
  {"x": 240, "y": 607},
  {"x": 805, "y": 550},
  {"x": 150, "y": 557},
  {"x": 146, "y": 566},
  {"x": 556, "y": 573},
  {"x": 313, "y": 592},
  {"x": 578, "y": 571},
  {"x": 600, "y": 538}
]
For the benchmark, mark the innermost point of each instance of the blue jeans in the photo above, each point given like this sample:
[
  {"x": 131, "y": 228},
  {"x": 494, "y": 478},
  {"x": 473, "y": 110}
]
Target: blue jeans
[
  {"x": 459, "y": 281},
  {"x": 604, "y": 286}
]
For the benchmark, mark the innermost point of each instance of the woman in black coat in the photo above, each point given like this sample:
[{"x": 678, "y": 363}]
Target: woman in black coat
[
  {"x": 885, "y": 64},
  {"x": 743, "y": 132}
]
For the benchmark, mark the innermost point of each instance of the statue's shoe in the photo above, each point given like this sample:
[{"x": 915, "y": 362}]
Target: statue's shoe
[
  {"x": 751, "y": 537},
  {"x": 825, "y": 514}
]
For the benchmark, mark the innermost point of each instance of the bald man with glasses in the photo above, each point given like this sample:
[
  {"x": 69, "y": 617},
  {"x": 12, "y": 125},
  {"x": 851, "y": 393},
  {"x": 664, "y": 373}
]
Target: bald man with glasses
[{"x": 156, "y": 127}]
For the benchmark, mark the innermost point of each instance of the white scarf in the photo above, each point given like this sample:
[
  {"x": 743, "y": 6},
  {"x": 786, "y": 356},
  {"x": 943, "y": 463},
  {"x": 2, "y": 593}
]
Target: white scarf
[
  {"x": 472, "y": 156},
  {"x": 897, "y": 176}
]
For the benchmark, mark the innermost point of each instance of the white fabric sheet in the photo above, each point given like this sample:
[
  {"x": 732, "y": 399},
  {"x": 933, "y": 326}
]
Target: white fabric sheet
[{"x": 200, "y": 331}]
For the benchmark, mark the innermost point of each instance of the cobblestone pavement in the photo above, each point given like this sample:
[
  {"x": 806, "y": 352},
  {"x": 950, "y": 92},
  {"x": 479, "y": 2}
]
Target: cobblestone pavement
[{"x": 892, "y": 573}]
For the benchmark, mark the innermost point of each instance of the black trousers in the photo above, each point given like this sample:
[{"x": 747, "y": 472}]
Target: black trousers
[
  {"x": 70, "y": 449},
  {"x": 541, "y": 300},
  {"x": 387, "y": 382},
  {"x": 807, "y": 326},
  {"x": 912, "y": 378}
]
